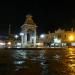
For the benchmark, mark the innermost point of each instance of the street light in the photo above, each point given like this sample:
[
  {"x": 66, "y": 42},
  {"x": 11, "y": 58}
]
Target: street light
[
  {"x": 21, "y": 34},
  {"x": 42, "y": 35},
  {"x": 16, "y": 36},
  {"x": 71, "y": 38},
  {"x": 9, "y": 44}
]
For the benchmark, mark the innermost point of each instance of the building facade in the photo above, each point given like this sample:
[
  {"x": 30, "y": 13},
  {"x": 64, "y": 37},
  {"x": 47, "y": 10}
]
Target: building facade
[{"x": 67, "y": 37}]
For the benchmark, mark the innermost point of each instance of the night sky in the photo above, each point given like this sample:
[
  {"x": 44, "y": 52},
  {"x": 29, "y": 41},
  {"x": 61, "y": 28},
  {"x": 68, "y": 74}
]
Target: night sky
[{"x": 47, "y": 15}]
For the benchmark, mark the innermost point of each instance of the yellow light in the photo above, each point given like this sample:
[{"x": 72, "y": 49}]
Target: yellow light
[
  {"x": 71, "y": 37},
  {"x": 9, "y": 43},
  {"x": 40, "y": 44}
]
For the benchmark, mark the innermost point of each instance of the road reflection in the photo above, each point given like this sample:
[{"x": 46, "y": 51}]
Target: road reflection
[{"x": 38, "y": 62}]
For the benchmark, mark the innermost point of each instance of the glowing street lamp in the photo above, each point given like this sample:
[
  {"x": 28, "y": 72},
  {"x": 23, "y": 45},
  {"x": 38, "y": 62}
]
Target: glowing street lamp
[
  {"x": 71, "y": 38},
  {"x": 16, "y": 36},
  {"x": 21, "y": 34},
  {"x": 42, "y": 35},
  {"x": 9, "y": 43}
]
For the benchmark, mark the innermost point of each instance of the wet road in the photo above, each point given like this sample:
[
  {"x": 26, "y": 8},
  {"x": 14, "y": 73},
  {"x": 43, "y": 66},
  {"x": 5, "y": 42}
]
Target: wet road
[{"x": 37, "y": 62}]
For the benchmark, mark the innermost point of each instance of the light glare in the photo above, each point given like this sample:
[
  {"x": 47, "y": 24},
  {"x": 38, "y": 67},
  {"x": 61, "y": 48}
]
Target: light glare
[{"x": 42, "y": 35}]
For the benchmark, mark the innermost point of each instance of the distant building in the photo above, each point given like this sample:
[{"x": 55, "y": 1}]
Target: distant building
[{"x": 67, "y": 37}]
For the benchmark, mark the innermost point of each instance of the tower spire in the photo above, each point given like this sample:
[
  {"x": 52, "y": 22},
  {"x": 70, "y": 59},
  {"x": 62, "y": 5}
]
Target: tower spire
[{"x": 29, "y": 20}]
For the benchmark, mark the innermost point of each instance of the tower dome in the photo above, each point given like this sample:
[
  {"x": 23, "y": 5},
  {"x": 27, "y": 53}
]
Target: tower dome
[{"x": 29, "y": 20}]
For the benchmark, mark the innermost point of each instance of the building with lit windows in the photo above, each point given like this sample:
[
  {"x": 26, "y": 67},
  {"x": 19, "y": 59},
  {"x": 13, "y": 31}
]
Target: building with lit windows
[{"x": 65, "y": 37}]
